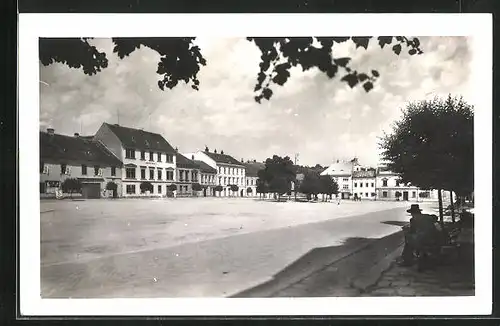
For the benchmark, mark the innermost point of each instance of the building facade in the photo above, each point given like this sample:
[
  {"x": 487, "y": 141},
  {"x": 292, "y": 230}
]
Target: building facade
[
  {"x": 364, "y": 184},
  {"x": 146, "y": 157},
  {"x": 230, "y": 172},
  {"x": 342, "y": 172},
  {"x": 208, "y": 177},
  {"x": 252, "y": 169},
  {"x": 188, "y": 174},
  {"x": 81, "y": 158}
]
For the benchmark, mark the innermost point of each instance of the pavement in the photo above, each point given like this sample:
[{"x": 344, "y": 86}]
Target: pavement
[{"x": 208, "y": 247}]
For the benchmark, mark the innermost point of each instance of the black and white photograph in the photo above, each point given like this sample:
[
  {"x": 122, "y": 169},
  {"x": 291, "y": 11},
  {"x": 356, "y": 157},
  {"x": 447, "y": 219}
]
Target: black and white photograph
[{"x": 219, "y": 165}]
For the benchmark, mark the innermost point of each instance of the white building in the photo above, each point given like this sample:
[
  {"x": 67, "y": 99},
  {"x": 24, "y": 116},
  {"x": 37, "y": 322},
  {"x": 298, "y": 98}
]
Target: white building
[
  {"x": 341, "y": 172},
  {"x": 230, "y": 172},
  {"x": 146, "y": 156},
  {"x": 251, "y": 175},
  {"x": 364, "y": 183}
]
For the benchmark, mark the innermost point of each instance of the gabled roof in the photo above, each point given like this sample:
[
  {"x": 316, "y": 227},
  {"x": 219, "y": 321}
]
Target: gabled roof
[
  {"x": 140, "y": 139},
  {"x": 70, "y": 148},
  {"x": 364, "y": 174},
  {"x": 252, "y": 168},
  {"x": 223, "y": 158},
  {"x": 204, "y": 167},
  {"x": 185, "y": 163},
  {"x": 339, "y": 168}
]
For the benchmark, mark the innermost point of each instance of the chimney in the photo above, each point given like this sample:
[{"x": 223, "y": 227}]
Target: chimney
[
  {"x": 255, "y": 161},
  {"x": 77, "y": 134},
  {"x": 337, "y": 161},
  {"x": 176, "y": 149},
  {"x": 215, "y": 151},
  {"x": 50, "y": 131},
  {"x": 206, "y": 149},
  {"x": 241, "y": 160},
  {"x": 222, "y": 152},
  {"x": 192, "y": 157}
]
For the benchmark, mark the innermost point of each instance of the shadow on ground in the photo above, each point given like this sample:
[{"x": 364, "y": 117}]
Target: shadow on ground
[
  {"x": 344, "y": 261},
  {"x": 395, "y": 223}
]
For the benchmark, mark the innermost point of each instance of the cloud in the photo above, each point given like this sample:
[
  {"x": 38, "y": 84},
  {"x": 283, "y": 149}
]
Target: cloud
[{"x": 320, "y": 118}]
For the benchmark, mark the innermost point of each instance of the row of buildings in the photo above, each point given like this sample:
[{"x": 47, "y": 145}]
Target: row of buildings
[
  {"x": 364, "y": 182},
  {"x": 129, "y": 157}
]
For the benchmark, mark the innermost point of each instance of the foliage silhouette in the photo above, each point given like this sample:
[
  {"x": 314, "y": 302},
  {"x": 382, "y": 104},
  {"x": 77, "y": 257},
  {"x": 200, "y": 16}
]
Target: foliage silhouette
[
  {"x": 172, "y": 187},
  {"x": 146, "y": 186},
  {"x": 71, "y": 185},
  {"x": 181, "y": 59},
  {"x": 197, "y": 187}
]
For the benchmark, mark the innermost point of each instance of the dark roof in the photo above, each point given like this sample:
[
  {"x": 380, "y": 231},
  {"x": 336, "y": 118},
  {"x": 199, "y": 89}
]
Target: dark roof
[
  {"x": 223, "y": 158},
  {"x": 70, "y": 148},
  {"x": 363, "y": 174},
  {"x": 140, "y": 139},
  {"x": 184, "y": 162},
  {"x": 252, "y": 168},
  {"x": 204, "y": 167}
]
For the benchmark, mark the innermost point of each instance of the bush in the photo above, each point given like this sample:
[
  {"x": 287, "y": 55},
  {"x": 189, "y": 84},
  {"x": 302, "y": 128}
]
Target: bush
[
  {"x": 111, "y": 186},
  {"x": 218, "y": 188},
  {"x": 397, "y": 194},
  {"x": 71, "y": 185},
  {"x": 146, "y": 186},
  {"x": 172, "y": 187},
  {"x": 249, "y": 190},
  {"x": 423, "y": 194},
  {"x": 197, "y": 187},
  {"x": 234, "y": 188}
]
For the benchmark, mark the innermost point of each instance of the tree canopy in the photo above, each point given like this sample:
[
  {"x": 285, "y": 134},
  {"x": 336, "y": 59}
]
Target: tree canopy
[
  {"x": 432, "y": 145},
  {"x": 277, "y": 175},
  {"x": 181, "y": 59}
]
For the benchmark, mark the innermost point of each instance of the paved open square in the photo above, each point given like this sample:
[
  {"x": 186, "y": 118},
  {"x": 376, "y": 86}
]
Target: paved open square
[{"x": 196, "y": 247}]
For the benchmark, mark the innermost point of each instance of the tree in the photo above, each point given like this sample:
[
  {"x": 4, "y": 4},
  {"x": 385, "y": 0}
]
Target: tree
[
  {"x": 234, "y": 188},
  {"x": 328, "y": 185},
  {"x": 71, "y": 185},
  {"x": 249, "y": 190},
  {"x": 262, "y": 187},
  {"x": 432, "y": 146},
  {"x": 311, "y": 185},
  {"x": 146, "y": 186},
  {"x": 181, "y": 59},
  {"x": 197, "y": 187},
  {"x": 278, "y": 175},
  {"x": 112, "y": 186},
  {"x": 172, "y": 187},
  {"x": 218, "y": 189}
]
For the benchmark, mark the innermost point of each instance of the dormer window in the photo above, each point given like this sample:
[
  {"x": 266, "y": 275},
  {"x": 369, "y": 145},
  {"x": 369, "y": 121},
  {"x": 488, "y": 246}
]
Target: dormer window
[{"x": 146, "y": 142}]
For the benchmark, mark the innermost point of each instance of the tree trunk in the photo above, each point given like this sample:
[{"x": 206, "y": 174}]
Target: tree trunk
[
  {"x": 452, "y": 207},
  {"x": 295, "y": 195},
  {"x": 440, "y": 200}
]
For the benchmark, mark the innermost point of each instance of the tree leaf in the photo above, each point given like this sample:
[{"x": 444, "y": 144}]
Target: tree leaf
[
  {"x": 397, "y": 49},
  {"x": 362, "y": 77},
  {"x": 351, "y": 79},
  {"x": 375, "y": 73},
  {"x": 368, "y": 86},
  {"x": 383, "y": 40},
  {"x": 267, "y": 93},
  {"x": 361, "y": 41},
  {"x": 342, "y": 61},
  {"x": 412, "y": 51}
]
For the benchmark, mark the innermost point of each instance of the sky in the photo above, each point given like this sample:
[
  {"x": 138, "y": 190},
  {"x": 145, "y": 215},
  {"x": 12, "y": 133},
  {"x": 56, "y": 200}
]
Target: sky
[{"x": 321, "y": 119}]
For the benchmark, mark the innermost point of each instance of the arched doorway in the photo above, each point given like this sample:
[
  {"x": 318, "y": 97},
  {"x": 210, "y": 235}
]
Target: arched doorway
[
  {"x": 241, "y": 193},
  {"x": 204, "y": 192}
]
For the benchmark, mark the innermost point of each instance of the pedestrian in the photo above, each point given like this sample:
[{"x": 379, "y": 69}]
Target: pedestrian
[{"x": 338, "y": 200}]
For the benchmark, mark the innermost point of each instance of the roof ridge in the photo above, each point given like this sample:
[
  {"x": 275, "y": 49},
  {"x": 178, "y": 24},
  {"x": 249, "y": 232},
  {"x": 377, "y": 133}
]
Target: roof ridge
[{"x": 135, "y": 129}]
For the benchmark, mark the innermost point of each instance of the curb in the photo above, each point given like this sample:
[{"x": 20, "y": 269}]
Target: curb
[{"x": 371, "y": 276}]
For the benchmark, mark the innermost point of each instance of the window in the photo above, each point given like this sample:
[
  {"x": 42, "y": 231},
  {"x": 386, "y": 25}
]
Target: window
[
  {"x": 346, "y": 179},
  {"x": 397, "y": 183},
  {"x": 159, "y": 174},
  {"x": 113, "y": 171},
  {"x": 131, "y": 188},
  {"x": 169, "y": 158},
  {"x": 159, "y": 157},
  {"x": 366, "y": 194},
  {"x": 384, "y": 184},
  {"x": 96, "y": 170},
  {"x": 151, "y": 156},
  {"x": 143, "y": 174},
  {"x": 151, "y": 174},
  {"x": 159, "y": 189},
  {"x": 361, "y": 184},
  {"x": 225, "y": 180},
  {"x": 220, "y": 180},
  {"x": 413, "y": 194},
  {"x": 130, "y": 174},
  {"x": 384, "y": 194},
  {"x": 355, "y": 184},
  {"x": 143, "y": 155},
  {"x": 373, "y": 185},
  {"x": 84, "y": 169},
  {"x": 345, "y": 187},
  {"x": 170, "y": 175},
  {"x": 220, "y": 170},
  {"x": 367, "y": 184},
  {"x": 130, "y": 153},
  {"x": 63, "y": 168}
]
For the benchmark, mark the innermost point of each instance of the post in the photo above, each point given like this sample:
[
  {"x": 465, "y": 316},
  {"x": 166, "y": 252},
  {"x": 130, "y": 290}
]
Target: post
[
  {"x": 440, "y": 200},
  {"x": 452, "y": 207}
]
